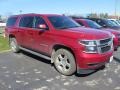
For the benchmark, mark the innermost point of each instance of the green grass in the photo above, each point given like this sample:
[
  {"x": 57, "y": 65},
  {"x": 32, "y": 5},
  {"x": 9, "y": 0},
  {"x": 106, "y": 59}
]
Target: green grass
[
  {"x": 1, "y": 30},
  {"x": 3, "y": 44}
]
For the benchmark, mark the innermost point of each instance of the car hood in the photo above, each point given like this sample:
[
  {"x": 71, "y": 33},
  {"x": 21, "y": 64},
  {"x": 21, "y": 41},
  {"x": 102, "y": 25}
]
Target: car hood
[
  {"x": 115, "y": 32},
  {"x": 115, "y": 27},
  {"x": 86, "y": 33}
]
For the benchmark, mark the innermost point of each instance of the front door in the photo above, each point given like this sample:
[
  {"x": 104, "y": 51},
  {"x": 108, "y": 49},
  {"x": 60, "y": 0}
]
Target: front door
[{"x": 42, "y": 38}]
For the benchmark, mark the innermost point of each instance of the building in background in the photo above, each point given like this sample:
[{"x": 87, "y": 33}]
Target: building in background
[{"x": 2, "y": 24}]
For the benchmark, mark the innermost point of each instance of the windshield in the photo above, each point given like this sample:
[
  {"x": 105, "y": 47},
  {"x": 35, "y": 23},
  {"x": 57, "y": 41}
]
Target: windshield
[
  {"x": 118, "y": 21},
  {"x": 93, "y": 24},
  {"x": 110, "y": 23},
  {"x": 63, "y": 22}
]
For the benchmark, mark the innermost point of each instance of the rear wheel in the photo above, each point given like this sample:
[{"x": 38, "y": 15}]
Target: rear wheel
[
  {"x": 14, "y": 45},
  {"x": 64, "y": 62}
]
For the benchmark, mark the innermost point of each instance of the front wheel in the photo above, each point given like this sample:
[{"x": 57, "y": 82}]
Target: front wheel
[{"x": 64, "y": 62}]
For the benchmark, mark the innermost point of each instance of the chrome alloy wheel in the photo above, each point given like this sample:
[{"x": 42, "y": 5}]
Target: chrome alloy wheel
[
  {"x": 13, "y": 45},
  {"x": 63, "y": 63}
]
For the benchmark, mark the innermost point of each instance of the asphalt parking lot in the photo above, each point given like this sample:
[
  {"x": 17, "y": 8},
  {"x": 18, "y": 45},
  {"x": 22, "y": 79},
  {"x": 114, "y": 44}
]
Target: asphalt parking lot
[{"x": 24, "y": 71}]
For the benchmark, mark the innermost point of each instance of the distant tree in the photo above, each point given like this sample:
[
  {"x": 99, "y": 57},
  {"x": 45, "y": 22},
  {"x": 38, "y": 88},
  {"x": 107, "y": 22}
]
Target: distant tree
[
  {"x": 76, "y": 16},
  {"x": 92, "y": 15},
  {"x": 106, "y": 15},
  {"x": 103, "y": 15}
]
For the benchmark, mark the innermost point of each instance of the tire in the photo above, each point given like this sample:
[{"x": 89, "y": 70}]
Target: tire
[
  {"x": 64, "y": 62},
  {"x": 14, "y": 45}
]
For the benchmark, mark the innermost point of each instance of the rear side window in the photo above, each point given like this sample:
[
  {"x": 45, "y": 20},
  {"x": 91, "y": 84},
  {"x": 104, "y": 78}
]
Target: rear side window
[
  {"x": 11, "y": 21},
  {"x": 26, "y": 21},
  {"x": 100, "y": 22}
]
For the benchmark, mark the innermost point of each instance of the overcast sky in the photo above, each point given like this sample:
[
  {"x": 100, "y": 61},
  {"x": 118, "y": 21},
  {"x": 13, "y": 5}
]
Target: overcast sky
[{"x": 58, "y": 6}]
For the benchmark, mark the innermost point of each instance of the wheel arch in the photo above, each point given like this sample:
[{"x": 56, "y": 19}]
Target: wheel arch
[
  {"x": 11, "y": 36},
  {"x": 59, "y": 46}
]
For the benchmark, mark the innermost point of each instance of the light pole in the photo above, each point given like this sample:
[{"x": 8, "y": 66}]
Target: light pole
[
  {"x": 20, "y": 11},
  {"x": 116, "y": 1}
]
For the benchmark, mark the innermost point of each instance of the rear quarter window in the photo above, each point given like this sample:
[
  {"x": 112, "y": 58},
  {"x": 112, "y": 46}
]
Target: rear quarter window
[{"x": 11, "y": 21}]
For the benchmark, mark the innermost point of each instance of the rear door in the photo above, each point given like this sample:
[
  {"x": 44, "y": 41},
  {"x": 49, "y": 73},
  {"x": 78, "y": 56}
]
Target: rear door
[{"x": 25, "y": 31}]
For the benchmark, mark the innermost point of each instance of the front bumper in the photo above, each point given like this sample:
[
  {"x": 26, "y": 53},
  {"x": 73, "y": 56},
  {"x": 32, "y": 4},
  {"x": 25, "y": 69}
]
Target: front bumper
[
  {"x": 88, "y": 71},
  {"x": 92, "y": 62}
]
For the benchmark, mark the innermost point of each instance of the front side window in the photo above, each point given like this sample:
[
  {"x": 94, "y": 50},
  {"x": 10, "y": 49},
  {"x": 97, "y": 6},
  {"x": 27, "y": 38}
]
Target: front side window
[
  {"x": 110, "y": 23},
  {"x": 26, "y": 21},
  {"x": 102, "y": 23},
  {"x": 63, "y": 22},
  {"x": 11, "y": 21},
  {"x": 39, "y": 21}
]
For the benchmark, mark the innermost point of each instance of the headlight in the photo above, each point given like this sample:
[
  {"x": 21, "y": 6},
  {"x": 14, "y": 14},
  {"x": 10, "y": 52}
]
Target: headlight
[
  {"x": 89, "y": 46},
  {"x": 90, "y": 49},
  {"x": 88, "y": 43}
]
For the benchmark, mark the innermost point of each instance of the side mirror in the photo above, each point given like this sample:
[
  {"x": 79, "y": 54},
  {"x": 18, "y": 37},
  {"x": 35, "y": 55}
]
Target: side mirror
[{"x": 42, "y": 26}]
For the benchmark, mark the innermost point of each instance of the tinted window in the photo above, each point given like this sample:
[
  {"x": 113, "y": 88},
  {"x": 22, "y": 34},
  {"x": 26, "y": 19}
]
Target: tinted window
[
  {"x": 62, "y": 22},
  {"x": 38, "y": 21},
  {"x": 93, "y": 24},
  {"x": 11, "y": 21},
  {"x": 110, "y": 23},
  {"x": 26, "y": 22},
  {"x": 102, "y": 23},
  {"x": 118, "y": 21},
  {"x": 80, "y": 23}
]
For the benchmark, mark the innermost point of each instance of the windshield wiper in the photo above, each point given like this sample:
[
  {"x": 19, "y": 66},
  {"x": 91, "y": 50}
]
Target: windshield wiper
[{"x": 62, "y": 27}]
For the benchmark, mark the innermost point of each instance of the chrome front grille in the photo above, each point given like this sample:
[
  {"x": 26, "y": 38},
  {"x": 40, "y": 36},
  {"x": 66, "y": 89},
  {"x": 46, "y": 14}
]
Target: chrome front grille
[
  {"x": 105, "y": 41},
  {"x": 105, "y": 49},
  {"x": 105, "y": 45}
]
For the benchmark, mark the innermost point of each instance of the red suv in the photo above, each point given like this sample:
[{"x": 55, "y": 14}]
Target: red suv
[
  {"x": 92, "y": 24},
  {"x": 60, "y": 39}
]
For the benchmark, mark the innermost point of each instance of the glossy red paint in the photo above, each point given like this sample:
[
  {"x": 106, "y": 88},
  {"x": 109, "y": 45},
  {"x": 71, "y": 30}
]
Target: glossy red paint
[
  {"x": 116, "y": 33},
  {"x": 44, "y": 41}
]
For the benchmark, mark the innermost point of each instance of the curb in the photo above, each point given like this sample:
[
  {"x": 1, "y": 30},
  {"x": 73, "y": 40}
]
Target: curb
[{"x": 5, "y": 51}]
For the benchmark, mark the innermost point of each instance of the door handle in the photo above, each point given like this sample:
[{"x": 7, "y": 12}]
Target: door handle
[{"x": 41, "y": 32}]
